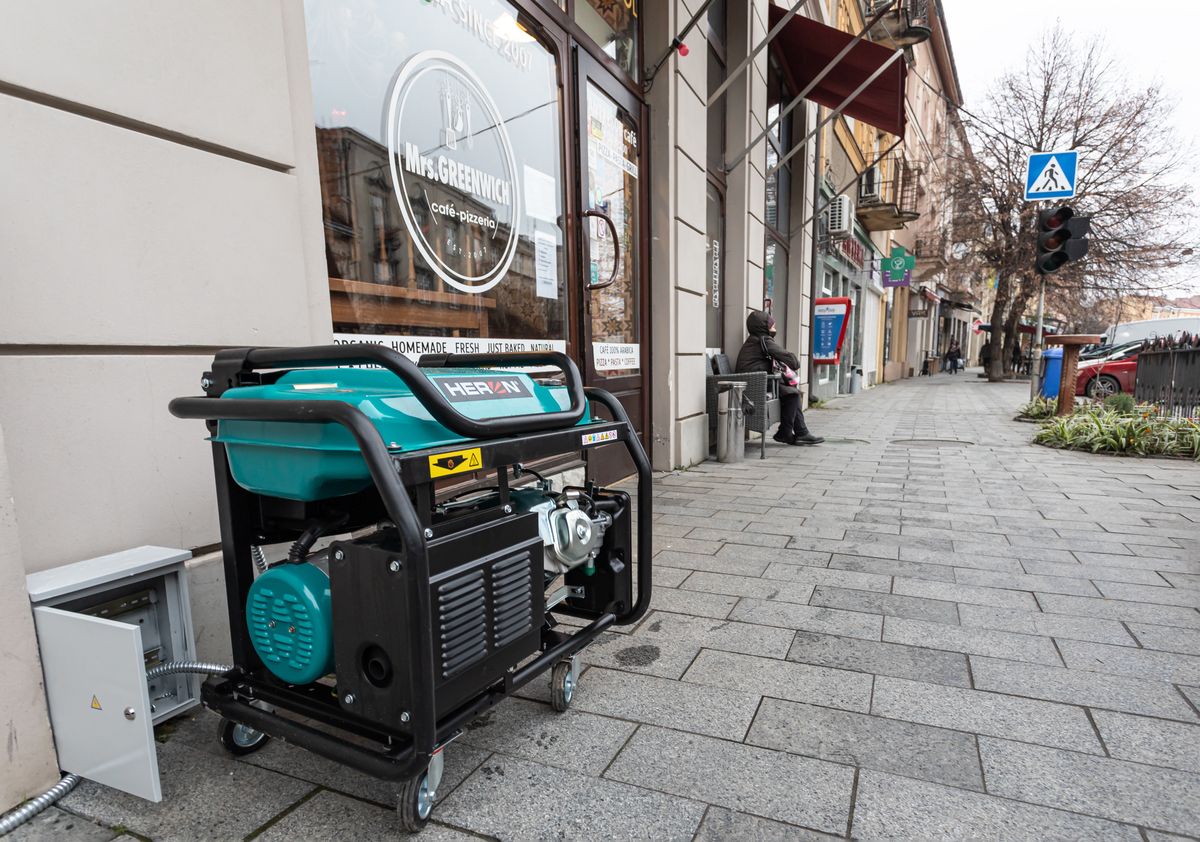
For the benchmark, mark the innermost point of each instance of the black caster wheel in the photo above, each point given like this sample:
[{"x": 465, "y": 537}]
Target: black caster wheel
[
  {"x": 418, "y": 794},
  {"x": 239, "y": 739},
  {"x": 562, "y": 684}
]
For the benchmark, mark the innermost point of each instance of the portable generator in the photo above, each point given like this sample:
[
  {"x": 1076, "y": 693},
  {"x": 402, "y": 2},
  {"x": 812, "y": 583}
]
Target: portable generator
[{"x": 436, "y": 598}]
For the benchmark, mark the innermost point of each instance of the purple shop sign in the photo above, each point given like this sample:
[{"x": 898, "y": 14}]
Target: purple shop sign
[{"x": 902, "y": 282}]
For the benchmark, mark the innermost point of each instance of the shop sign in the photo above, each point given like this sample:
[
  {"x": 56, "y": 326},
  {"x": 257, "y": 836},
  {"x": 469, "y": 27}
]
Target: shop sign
[
  {"x": 616, "y": 356},
  {"x": 830, "y": 317},
  {"x": 463, "y": 171},
  {"x": 414, "y": 347},
  {"x": 852, "y": 251},
  {"x": 892, "y": 280},
  {"x": 919, "y": 314}
]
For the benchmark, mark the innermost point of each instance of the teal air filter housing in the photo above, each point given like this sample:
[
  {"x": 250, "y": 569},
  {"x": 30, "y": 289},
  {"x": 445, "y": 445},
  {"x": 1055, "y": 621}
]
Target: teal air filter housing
[{"x": 289, "y": 613}]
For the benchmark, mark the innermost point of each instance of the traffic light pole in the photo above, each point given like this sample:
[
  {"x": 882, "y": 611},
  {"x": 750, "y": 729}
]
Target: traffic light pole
[{"x": 1035, "y": 364}]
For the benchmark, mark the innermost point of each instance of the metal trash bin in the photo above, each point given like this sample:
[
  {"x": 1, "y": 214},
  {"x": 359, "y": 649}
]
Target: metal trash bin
[
  {"x": 731, "y": 421},
  {"x": 856, "y": 378}
]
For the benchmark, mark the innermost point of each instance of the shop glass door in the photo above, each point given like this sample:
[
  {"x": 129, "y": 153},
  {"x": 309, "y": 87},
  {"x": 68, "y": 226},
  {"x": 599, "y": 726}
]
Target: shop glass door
[{"x": 611, "y": 254}]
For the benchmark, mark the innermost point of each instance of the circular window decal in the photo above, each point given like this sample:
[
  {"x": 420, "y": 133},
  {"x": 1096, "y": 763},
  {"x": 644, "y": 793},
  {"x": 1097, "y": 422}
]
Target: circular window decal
[{"x": 453, "y": 171}]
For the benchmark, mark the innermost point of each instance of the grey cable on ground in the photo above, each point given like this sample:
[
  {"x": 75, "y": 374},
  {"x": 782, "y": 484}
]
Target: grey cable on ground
[{"x": 13, "y": 819}]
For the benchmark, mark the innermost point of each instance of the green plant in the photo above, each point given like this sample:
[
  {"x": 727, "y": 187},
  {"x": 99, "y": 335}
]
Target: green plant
[
  {"x": 1140, "y": 432},
  {"x": 1039, "y": 408},
  {"x": 1121, "y": 402}
]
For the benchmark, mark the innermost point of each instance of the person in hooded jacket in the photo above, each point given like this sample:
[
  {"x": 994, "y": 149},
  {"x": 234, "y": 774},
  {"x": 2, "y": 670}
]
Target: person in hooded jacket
[{"x": 759, "y": 353}]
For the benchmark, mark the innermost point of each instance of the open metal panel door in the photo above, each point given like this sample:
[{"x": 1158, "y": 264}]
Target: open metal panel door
[{"x": 99, "y": 703}]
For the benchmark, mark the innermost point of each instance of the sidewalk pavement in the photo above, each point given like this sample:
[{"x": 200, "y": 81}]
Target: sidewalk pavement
[{"x": 926, "y": 627}]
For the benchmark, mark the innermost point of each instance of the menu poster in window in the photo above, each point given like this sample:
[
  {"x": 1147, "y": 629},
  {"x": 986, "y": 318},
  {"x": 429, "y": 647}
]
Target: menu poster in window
[{"x": 830, "y": 317}]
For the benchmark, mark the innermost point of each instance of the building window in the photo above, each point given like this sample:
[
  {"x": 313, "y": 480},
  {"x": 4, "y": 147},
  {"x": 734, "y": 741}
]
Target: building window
[
  {"x": 613, "y": 24},
  {"x": 714, "y": 333},
  {"x": 442, "y": 219},
  {"x": 778, "y": 196}
]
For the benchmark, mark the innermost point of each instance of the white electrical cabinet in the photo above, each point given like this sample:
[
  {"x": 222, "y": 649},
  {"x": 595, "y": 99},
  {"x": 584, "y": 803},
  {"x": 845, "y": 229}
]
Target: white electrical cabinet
[{"x": 101, "y": 624}]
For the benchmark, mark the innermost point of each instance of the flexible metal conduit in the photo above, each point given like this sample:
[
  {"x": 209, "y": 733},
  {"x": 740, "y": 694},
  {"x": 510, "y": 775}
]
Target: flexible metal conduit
[{"x": 13, "y": 819}]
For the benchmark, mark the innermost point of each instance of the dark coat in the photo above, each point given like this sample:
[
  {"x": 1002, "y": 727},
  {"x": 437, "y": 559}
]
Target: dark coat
[{"x": 751, "y": 357}]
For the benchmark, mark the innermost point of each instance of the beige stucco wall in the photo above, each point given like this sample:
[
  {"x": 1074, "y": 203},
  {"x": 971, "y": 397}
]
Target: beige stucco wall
[{"x": 161, "y": 201}]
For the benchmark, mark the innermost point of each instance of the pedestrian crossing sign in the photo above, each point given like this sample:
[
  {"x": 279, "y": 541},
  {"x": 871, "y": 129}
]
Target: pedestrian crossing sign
[{"x": 1051, "y": 175}]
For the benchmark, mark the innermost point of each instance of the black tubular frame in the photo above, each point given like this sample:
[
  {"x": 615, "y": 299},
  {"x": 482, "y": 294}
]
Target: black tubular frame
[
  {"x": 230, "y": 694},
  {"x": 229, "y": 364}
]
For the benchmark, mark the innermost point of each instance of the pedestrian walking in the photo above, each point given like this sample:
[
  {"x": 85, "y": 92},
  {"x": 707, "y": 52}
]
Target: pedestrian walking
[
  {"x": 953, "y": 355},
  {"x": 1016, "y": 358},
  {"x": 985, "y": 356},
  {"x": 760, "y": 352}
]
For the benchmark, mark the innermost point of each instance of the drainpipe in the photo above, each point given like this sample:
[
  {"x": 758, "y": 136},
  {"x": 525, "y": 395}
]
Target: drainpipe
[{"x": 818, "y": 181}]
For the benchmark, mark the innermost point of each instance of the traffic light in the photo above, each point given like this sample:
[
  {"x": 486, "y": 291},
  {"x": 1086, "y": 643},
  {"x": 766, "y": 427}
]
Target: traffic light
[{"x": 1062, "y": 237}]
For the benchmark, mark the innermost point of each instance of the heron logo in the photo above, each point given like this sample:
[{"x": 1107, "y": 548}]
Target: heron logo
[{"x": 461, "y": 389}]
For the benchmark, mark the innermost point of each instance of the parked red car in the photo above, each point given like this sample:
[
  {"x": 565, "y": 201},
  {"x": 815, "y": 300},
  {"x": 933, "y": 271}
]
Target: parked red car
[{"x": 1107, "y": 375}]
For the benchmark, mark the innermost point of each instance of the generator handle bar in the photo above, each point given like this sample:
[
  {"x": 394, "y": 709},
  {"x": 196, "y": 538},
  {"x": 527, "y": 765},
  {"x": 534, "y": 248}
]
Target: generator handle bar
[
  {"x": 227, "y": 364},
  {"x": 395, "y": 500},
  {"x": 645, "y": 543}
]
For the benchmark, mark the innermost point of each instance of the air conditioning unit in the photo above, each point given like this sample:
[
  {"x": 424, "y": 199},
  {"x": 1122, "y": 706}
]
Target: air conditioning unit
[
  {"x": 868, "y": 185},
  {"x": 841, "y": 217}
]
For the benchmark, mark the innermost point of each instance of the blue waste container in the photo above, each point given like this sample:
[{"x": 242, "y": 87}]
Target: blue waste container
[{"x": 1051, "y": 371}]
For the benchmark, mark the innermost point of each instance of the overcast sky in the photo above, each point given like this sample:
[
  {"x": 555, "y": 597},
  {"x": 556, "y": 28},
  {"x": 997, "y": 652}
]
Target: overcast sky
[{"x": 1154, "y": 39}]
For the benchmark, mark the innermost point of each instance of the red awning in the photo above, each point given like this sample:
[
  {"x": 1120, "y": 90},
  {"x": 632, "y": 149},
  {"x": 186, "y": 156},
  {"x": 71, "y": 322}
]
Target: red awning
[{"x": 808, "y": 45}]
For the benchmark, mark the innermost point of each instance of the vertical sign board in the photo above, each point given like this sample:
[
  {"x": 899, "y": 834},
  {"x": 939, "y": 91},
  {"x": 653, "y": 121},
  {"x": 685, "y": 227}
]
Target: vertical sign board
[
  {"x": 1051, "y": 175},
  {"x": 830, "y": 317}
]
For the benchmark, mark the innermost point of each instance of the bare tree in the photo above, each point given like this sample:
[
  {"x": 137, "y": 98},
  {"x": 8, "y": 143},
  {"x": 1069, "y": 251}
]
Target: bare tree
[{"x": 1070, "y": 96}]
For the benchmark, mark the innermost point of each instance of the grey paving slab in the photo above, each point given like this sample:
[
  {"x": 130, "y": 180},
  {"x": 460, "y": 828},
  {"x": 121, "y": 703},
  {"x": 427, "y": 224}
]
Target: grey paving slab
[
  {"x": 56, "y": 825},
  {"x": 1048, "y": 625},
  {"x": 1025, "y": 582},
  {"x": 751, "y": 538},
  {"x": 1167, "y": 638},
  {"x": 772, "y": 784},
  {"x": 1029, "y": 720},
  {"x": 889, "y": 567},
  {"x": 871, "y": 742},
  {"x": 788, "y": 615},
  {"x": 701, "y": 561},
  {"x": 690, "y": 601},
  {"x": 1144, "y": 739},
  {"x": 736, "y": 586},
  {"x": 1141, "y": 663},
  {"x": 782, "y": 679},
  {"x": 574, "y": 740},
  {"x": 1165, "y": 595},
  {"x": 669, "y": 577},
  {"x": 972, "y": 594},
  {"x": 1113, "y": 609},
  {"x": 728, "y": 635},
  {"x": 1163, "y": 799},
  {"x": 660, "y": 656},
  {"x": 972, "y": 641},
  {"x": 1094, "y": 572},
  {"x": 770, "y": 555},
  {"x": 952, "y": 558},
  {"x": 329, "y": 816},
  {"x": 669, "y": 543},
  {"x": 894, "y": 807},
  {"x": 1190, "y": 581},
  {"x": 204, "y": 796},
  {"x": 701, "y": 709},
  {"x": 507, "y": 798},
  {"x": 1081, "y": 687},
  {"x": 827, "y": 576},
  {"x": 721, "y": 825},
  {"x": 873, "y": 656},
  {"x": 890, "y": 605}
]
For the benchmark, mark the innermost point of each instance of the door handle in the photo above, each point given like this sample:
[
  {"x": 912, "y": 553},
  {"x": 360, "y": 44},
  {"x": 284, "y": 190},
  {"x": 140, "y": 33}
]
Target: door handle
[{"x": 612, "y": 278}]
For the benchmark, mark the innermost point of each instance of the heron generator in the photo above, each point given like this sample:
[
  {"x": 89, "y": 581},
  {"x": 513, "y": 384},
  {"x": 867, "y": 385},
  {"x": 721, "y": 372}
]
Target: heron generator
[{"x": 430, "y": 604}]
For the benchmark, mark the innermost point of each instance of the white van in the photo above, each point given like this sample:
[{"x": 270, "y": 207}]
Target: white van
[{"x": 1124, "y": 332}]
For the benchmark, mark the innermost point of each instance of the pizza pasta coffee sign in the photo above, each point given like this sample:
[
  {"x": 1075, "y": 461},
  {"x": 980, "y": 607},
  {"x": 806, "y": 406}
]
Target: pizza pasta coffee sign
[{"x": 453, "y": 171}]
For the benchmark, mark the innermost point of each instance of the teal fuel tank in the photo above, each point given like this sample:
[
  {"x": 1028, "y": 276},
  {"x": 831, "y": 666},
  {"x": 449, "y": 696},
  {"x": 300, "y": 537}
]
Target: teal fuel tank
[{"x": 315, "y": 461}]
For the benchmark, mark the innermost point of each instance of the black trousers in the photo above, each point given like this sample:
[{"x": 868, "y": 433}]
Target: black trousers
[{"x": 791, "y": 418}]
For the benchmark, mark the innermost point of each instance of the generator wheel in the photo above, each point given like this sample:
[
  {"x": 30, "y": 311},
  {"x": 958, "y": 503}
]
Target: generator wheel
[
  {"x": 562, "y": 684},
  {"x": 239, "y": 739},
  {"x": 415, "y": 803}
]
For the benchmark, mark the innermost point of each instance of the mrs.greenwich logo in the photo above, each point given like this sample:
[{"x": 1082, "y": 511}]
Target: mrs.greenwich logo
[
  {"x": 459, "y": 389},
  {"x": 453, "y": 171}
]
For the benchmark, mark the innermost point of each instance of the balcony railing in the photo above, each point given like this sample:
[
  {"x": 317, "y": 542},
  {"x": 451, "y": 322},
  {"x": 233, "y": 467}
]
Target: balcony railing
[
  {"x": 888, "y": 193},
  {"x": 902, "y": 26}
]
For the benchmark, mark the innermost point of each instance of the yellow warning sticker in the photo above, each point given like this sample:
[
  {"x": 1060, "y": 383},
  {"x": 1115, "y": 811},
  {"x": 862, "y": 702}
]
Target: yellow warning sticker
[
  {"x": 455, "y": 462},
  {"x": 96, "y": 703}
]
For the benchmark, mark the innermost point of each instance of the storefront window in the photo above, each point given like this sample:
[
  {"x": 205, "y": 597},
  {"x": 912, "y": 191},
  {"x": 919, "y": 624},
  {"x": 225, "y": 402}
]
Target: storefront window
[
  {"x": 613, "y": 24},
  {"x": 775, "y": 277},
  {"x": 438, "y": 143},
  {"x": 778, "y": 195}
]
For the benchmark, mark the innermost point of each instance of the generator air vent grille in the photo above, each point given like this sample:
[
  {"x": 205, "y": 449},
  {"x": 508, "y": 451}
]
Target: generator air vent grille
[
  {"x": 461, "y": 622},
  {"x": 512, "y": 599}
]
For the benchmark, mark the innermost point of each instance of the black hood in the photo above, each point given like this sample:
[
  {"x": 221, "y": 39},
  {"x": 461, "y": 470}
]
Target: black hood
[{"x": 758, "y": 323}]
